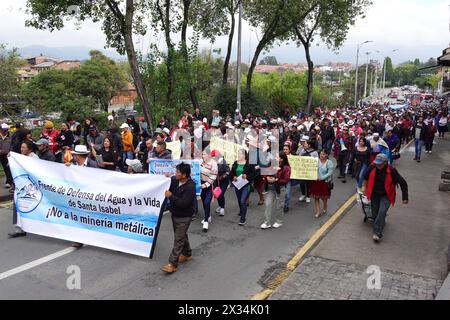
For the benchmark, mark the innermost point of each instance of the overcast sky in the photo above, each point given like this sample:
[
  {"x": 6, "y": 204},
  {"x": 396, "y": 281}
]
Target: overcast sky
[{"x": 418, "y": 28}]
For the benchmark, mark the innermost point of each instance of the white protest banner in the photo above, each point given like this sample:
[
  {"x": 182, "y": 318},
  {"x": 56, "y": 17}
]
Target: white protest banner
[
  {"x": 163, "y": 167},
  {"x": 175, "y": 147},
  {"x": 97, "y": 207}
]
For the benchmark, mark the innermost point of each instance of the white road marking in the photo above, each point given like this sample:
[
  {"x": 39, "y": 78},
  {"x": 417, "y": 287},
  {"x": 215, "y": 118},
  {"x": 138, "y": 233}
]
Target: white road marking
[{"x": 36, "y": 263}]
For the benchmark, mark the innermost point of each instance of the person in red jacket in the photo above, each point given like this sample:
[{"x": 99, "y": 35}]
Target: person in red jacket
[
  {"x": 50, "y": 133},
  {"x": 381, "y": 181}
]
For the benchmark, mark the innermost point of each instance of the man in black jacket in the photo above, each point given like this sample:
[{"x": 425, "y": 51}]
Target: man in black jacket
[
  {"x": 181, "y": 195},
  {"x": 43, "y": 151}
]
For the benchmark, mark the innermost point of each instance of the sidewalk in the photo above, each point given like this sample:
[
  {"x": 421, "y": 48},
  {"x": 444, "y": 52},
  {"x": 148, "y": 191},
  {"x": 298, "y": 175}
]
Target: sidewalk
[{"x": 412, "y": 256}]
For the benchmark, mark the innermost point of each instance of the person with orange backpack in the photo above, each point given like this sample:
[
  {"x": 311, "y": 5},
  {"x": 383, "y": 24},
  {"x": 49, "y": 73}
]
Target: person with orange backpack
[{"x": 381, "y": 181}]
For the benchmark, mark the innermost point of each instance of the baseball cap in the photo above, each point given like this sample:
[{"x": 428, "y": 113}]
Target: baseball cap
[
  {"x": 215, "y": 153},
  {"x": 166, "y": 130},
  {"x": 5, "y": 126},
  {"x": 135, "y": 164},
  {"x": 380, "y": 159},
  {"x": 42, "y": 142},
  {"x": 110, "y": 118},
  {"x": 124, "y": 126}
]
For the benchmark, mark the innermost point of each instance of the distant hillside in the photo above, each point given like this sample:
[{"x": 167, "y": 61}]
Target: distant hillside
[{"x": 66, "y": 53}]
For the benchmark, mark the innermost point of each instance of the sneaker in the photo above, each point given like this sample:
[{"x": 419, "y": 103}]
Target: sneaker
[
  {"x": 276, "y": 225},
  {"x": 418, "y": 160},
  {"x": 308, "y": 200},
  {"x": 169, "y": 268},
  {"x": 358, "y": 190},
  {"x": 209, "y": 220},
  {"x": 184, "y": 259},
  {"x": 286, "y": 209},
  {"x": 205, "y": 226},
  {"x": 242, "y": 223},
  {"x": 376, "y": 238},
  {"x": 430, "y": 152},
  {"x": 218, "y": 209},
  {"x": 265, "y": 226},
  {"x": 222, "y": 212},
  {"x": 302, "y": 198}
]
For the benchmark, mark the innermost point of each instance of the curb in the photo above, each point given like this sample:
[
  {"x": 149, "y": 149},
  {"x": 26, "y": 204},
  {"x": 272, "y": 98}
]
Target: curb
[{"x": 303, "y": 251}]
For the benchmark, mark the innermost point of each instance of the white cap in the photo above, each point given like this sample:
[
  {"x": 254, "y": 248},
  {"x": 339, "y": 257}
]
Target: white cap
[
  {"x": 351, "y": 123},
  {"x": 135, "y": 164},
  {"x": 5, "y": 126},
  {"x": 304, "y": 138},
  {"x": 205, "y": 120},
  {"x": 376, "y": 134},
  {"x": 237, "y": 110},
  {"x": 294, "y": 118},
  {"x": 236, "y": 123},
  {"x": 124, "y": 126},
  {"x": 110, "y": 118},
  {"x": 264, "y": 122},
  {"x": 166, "y": 130}
]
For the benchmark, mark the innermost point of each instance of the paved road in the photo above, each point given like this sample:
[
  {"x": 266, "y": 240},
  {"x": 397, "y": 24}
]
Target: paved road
[{"x": 230, "y": 262}]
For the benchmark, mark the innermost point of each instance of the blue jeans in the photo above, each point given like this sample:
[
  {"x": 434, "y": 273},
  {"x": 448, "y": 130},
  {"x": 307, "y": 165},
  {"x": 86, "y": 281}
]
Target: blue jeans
[
  {"x": 287, "y": 198},
  {"x": 418, "y": 144},
  {"x": 380, "y": 207},
  {"x": 207, "y": 196},
  {"x": 328, "y": 146},
  {"x": 362, "y": 172},
  {"x": 242, "y": 197},
  {"x": 127, "y": 155},
  {"x": 223, "y": 186}
]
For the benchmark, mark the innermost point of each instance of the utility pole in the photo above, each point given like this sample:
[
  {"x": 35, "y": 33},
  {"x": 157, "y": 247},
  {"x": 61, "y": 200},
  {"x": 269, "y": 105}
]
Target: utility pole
[
  {"x": 239, "y": 58},
  {"x": 367, "y": 71},
  {"x": 358, "y": 47}
]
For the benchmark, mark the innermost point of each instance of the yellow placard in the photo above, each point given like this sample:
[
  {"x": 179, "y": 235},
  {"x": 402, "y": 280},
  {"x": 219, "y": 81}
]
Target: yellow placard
[
  {"x": 227, "y": 149},
  {"x": 175, "y": 147},
  {"x": 304, "y": 168}
]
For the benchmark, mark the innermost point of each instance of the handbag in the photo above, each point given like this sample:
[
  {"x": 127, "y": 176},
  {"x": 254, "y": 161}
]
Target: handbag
[{"x": 217, "y": 191}]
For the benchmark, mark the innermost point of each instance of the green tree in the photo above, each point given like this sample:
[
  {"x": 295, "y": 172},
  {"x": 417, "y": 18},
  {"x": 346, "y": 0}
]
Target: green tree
[
  {"x": 54, "y": 90},
  {"x": 389, "y": 70},
  {"x": 121, "y": 20},
  {"x": 100, "y": 77},
  {"x": 276, "y": 19},
  {"x": 9, "y": 86},
  {"x": 329, "y": 20},
  {"x": 269, "y": 60}
]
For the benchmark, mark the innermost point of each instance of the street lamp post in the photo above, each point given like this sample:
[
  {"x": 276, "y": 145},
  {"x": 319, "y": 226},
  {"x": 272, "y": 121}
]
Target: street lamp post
[
  {"x": 358, "y": 47},
  {"x": 238, "y": 78},
  {"x": 367, "y": 71}
]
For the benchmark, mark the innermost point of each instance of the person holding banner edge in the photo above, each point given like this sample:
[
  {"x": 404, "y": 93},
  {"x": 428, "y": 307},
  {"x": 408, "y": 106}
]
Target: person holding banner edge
[{"x": 182, "y": 197}]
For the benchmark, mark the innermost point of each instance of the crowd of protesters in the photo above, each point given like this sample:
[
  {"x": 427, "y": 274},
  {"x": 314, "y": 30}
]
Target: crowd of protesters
[{"x": 359, "y": 139}]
